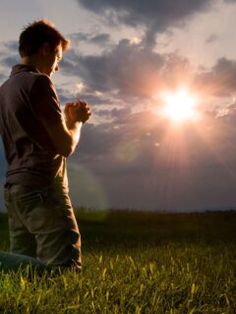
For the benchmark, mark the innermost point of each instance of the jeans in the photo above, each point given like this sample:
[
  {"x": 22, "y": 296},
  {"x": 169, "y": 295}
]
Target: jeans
[{"x": 42, "y": 225}]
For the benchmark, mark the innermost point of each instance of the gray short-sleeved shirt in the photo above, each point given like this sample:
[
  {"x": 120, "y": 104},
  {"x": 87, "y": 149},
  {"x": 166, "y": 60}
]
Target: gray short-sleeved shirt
[{"x": 29, "y": 107}]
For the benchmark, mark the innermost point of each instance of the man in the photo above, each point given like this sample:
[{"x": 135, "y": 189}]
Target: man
[{"x": 37, "y": 138}]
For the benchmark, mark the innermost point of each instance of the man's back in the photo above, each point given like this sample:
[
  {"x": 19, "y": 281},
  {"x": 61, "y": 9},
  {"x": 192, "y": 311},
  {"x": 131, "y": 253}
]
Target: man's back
[{"x": 28, "y": 108}]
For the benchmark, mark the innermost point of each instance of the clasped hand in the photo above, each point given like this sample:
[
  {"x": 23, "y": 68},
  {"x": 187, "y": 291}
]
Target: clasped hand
[{"x": 77, "y": 112}]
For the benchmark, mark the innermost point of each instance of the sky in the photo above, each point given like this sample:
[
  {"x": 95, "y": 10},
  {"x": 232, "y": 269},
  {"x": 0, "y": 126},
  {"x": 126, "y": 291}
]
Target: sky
[{"x": 128, "y": 58}]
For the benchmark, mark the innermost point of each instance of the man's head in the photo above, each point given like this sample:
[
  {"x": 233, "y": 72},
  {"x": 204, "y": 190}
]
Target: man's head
[{"x": 41, "y": 44}]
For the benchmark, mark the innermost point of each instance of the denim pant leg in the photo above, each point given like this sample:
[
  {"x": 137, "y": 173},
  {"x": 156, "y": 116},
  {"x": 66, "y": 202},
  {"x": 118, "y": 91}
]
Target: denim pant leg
[
  {"x": 60, "y": 243},
  {"x": 48, "y": 215},
  {"x": 21, "y": 240}
]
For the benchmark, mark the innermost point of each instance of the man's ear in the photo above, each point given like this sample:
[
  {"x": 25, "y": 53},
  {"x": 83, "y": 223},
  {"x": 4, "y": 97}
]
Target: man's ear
[{"x": 45, "y": 49}]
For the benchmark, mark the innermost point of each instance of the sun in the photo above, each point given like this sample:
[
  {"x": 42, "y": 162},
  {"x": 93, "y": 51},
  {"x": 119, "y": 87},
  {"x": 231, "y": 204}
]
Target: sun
[{"x": 180, "y": 106}]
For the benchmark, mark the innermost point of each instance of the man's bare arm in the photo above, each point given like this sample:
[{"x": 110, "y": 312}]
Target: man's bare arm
[
  {"x": 66, "y": 137},
  {"x": 76, "y": 114}
]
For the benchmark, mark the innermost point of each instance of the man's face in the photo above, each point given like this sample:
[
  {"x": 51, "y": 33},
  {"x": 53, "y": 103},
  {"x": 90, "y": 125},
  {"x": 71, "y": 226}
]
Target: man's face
[{"x": 51, "y": 60}]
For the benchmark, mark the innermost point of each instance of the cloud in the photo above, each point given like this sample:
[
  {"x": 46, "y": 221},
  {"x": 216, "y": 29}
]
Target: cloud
[
  {"x": 9, "y": 53},
  {"x": 99, "y": 39},
  {"x": 220, "y": 80},
  {"x": 131, "y": 74},
  {"x": 212, "y": 38},
  {"x": 136, "y": 12},
  {"x": 115, "y": 114},
  {"x": 9, "y": 61},
  {"x": 155, "y": 16},
  {"x": 8, "y": 58},
  {"x": 64, "y": 95},
  {"x": 127, "y": 68},
  {"x": 11, "y": 45}
]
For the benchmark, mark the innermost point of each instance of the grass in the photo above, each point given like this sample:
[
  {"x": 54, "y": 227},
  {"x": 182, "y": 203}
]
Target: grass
[{"x": 137, "y": 262}]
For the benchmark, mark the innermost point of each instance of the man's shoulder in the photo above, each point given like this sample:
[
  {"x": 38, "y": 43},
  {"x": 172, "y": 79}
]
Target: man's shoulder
[
  {"x": 28, "y": 81},
  {"x": 31, "y": 76},
  {"x": 26, "y": 73},
  {"x": 42, "y": 82}
]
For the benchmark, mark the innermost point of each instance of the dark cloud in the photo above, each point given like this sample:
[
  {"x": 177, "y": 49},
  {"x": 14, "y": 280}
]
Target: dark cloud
[
  {"x": 9, "y": 61},
  {"x": 115, "y": 113},
  {"x": 128, "y": 68},
  {"x": 212, "y": 38},
  {"x": 8, "y": 58},
  {"x": 155, "y": 15},
  {"x": 158, "y": 12},
  {"x": 64, "y": 95},
  {"x": 220, "y": 80},
  {"x": 79, "y": 36},
  {"x": 11, "y": 45},
  {"x": 133, "y": 71},
  {"x": 99, "y": 39}
]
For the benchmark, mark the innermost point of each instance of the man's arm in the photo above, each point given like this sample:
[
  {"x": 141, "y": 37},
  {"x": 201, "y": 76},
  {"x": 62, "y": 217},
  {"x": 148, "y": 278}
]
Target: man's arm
[
  {"x": 65, "y": 138},
  {"x": 76, "y": 114},
  {"x": 63, "y": 129},
  {"x": 68, "y": 137}
]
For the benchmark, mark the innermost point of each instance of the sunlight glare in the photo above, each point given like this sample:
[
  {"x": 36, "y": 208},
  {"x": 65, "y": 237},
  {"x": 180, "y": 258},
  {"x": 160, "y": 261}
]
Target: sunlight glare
[{"x": 180, "y": 105}]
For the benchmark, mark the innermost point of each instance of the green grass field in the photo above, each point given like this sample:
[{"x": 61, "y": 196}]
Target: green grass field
[{"x": 136, "y": 262}]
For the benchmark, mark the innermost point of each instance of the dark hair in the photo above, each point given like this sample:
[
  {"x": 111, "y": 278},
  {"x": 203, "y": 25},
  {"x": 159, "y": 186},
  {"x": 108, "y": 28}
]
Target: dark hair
[{"x": 38, "y": 33}]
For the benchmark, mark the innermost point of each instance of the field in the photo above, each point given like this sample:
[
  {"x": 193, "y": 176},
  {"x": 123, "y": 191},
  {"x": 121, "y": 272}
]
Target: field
[{"x": 136, "y": 262}]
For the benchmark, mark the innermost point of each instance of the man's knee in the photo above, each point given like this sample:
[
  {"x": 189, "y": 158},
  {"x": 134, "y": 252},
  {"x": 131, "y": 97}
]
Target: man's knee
[{"x": 60, "y": 248}]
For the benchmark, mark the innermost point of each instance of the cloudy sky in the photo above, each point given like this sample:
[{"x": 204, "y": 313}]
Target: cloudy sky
[{"x": 125, "y": 55}]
